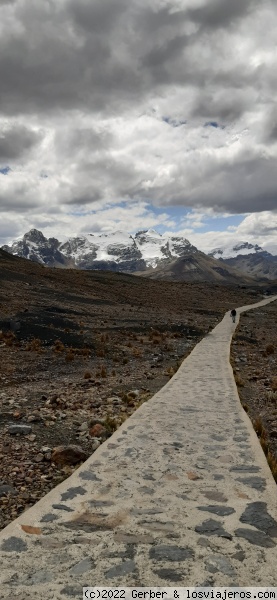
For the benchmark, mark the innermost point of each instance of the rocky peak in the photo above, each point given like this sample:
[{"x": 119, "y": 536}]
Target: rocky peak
[{"x": 34, "y": 236}]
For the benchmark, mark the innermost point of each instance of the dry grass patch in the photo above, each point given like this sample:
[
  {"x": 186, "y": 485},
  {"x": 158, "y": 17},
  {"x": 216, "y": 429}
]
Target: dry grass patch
[
  {"x": 103, "y": 371},
  {"x": 58, "y": 346},
  {"x": 258, "y": 426},
  {"x": 272, "y": 462},
  {"x": 34, "y": 345},
  {"x": 87, "y": 375},
  {"x": 70, "y": 356},
  {"x": 274, "y": 384},
  {"x": 239, "y": 381}
]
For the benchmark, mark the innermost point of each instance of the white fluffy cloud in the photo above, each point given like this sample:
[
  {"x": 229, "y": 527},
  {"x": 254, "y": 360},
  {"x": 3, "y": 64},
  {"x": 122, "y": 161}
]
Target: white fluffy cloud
[{"x": 108, "y": 108}]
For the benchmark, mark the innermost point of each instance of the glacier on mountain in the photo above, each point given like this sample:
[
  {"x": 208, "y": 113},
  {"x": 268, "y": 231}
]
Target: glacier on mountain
[
  {"x": 233, "y": 250},
  {"x": 118, "y": 250}
]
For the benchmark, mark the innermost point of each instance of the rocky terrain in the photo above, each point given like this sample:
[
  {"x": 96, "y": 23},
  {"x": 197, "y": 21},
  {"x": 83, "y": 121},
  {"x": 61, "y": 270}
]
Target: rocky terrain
[
  {"x": 254, "y": 360},
  {"x": 79, "y": 352},
  {"x": 260, "y": 265}
]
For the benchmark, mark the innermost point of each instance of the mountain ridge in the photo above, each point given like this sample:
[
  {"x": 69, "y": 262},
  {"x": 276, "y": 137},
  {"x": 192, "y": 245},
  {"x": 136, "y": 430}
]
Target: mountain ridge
[
  {"x": 115, "y": 251},
  {"x": 147, "y": 251}
]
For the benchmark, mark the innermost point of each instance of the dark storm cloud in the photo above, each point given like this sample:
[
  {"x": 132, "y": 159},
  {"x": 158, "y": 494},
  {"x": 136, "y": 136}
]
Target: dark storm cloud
[
  {"x": 66, "y": 58},
  {"x": 157, "y": 21},
  {"x": 225, "y": 105},
  {"x": 221, "y": 13},
  {"x": 96, "y": 17},
  {"x": 84, "y": 70},
  {"x": 16, "y": 140},
  {"x": 18, "y": 199},
  {"x": 166, "y": 52},
  {"x": 100, "y": 56},
  {"x": 236, "y": 184},
  {"x": 269, "y": 130},
  {"x": 85, "y": 197},
  {"x": 107, "y": 177}
]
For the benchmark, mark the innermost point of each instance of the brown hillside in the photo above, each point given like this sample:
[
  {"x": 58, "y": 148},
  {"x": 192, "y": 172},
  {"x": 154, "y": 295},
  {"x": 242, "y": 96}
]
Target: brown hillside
[{"x": 198, "y": 267}]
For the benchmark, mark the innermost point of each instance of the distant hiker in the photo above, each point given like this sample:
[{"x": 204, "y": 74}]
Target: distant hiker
[{"x": 233, "y": 314}]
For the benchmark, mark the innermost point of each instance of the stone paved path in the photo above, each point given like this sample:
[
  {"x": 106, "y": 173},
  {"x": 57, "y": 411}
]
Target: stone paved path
[{"x": 180, "y": 494}]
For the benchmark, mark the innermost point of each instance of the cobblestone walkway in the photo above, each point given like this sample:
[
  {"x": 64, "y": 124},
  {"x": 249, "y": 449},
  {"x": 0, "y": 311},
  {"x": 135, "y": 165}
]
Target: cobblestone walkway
[{"x": 180, "y": 494}]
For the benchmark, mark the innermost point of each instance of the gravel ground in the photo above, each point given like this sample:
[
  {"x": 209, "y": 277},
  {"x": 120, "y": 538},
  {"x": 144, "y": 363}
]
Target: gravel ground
[
  {"x": 79, "y": 352},
  {"x": 254, "y": 360}
]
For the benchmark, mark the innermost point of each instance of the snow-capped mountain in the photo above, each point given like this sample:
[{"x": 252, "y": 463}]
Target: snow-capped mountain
[
  {"x": 117, "y": 251},
  {"x": 249, "y": 259},
  {"x": 232, "y": 251},
  {"x": 121, "y": 251}
]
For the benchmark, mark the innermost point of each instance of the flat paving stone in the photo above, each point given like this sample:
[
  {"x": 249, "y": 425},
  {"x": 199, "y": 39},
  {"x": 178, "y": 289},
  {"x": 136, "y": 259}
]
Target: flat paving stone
[{"x": 181, "y": 493}]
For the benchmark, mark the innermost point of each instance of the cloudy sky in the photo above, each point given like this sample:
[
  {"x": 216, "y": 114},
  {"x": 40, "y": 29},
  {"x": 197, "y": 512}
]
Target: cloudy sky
[{"x": 130, "y": 114}]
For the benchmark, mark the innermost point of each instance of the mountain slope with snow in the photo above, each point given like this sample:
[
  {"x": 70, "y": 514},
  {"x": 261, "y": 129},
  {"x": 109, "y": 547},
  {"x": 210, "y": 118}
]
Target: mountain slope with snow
[
  {"x": 248, "y": 259},
  {"x": 114, "y": 251},
  {"x": 142, "y": 251},
  {"x": 232, "y": 251}
]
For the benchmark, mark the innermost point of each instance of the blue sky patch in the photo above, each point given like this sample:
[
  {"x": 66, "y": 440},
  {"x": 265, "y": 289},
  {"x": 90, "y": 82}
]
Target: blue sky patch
[
  {"x": 5, "y": 170},
  {"x": 214, "y": 124},
  {"x": 173, "y": 122}
]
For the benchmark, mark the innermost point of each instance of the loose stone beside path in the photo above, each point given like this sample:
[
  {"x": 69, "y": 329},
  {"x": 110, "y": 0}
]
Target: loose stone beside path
[{"x": 180, "y": 494}]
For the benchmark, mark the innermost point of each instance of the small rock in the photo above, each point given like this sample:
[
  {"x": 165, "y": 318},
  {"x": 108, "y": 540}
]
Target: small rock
[
  {"x": 39, "y": 457},
  {"x": 133, "y": 393},
  {"x": 95, "y": 443},
  {"x": 7, "y": 489},
  {"x": 68, "y": 455},
  {"x": 98, "y": 431},
  {"x": 83, "y": 427},
  {"x": 34, "y": 418},
  {"x": 53, "y": 399},
  {"x": 114, "y": 399},
  {"x": 20, "y": 429},
  {"x": 17, "y": 414}
]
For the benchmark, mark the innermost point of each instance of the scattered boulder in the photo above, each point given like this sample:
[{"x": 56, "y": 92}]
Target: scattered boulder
[
  {"x": 98, "y": 431},
  {"x": 45, "y": 449},
  {"x": 133, "y": 393},
  {"x": 68, "y": 455},
  {"x": 34, "y": 417},
  {"x": 83, "y": 426},
  {"x": 94, "y": 444},
  {"x": 53, "y": 400},
  {"x": 6, "y": 489},
  {"x": 19, "y": 429},
  {"x": 39, "y": 457}
]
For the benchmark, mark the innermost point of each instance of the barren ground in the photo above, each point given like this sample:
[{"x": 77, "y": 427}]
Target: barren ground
[
  {"x": 254, "y": 360},
  {"x": 82, "y": 347}
]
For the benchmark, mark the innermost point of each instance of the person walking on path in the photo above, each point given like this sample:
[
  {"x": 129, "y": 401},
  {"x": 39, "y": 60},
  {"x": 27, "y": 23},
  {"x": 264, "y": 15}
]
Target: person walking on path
[{"x": 233, "y": 315}]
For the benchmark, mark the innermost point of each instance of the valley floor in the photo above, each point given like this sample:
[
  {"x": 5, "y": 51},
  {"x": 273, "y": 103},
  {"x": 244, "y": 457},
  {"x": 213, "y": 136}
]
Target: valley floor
[{"x": 79, "y": 352}]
